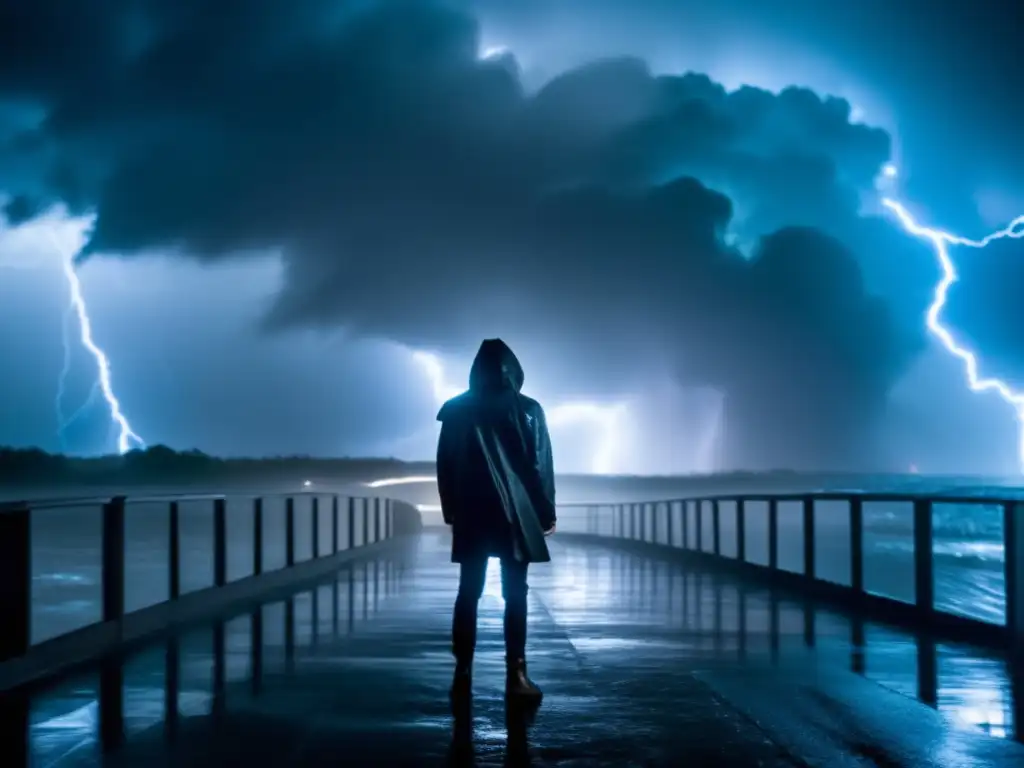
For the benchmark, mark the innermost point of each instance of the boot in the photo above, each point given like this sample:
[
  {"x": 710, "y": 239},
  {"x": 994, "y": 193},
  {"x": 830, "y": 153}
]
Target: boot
[
  {"x": 518, "y": 685},
  {"x": 463, "y": 647}
]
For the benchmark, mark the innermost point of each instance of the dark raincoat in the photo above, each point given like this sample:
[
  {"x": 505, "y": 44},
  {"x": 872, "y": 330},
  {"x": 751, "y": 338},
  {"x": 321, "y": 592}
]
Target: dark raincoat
[{"x": 494, "y": 467}]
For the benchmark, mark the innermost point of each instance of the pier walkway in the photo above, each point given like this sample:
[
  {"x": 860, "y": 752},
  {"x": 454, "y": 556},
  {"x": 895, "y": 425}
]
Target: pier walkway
[{"x": 647, "y": 656}]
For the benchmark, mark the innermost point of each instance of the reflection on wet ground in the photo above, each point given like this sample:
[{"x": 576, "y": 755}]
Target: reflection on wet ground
[{"x": 643, "y": 662}]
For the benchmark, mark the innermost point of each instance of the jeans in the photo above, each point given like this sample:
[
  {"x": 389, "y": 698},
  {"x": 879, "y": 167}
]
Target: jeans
[{"x": 472, "y": 575}]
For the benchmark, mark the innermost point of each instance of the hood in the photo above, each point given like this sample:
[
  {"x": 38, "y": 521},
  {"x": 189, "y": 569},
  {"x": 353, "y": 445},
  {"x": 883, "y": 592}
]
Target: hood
[{"x": 495, "y": 368}]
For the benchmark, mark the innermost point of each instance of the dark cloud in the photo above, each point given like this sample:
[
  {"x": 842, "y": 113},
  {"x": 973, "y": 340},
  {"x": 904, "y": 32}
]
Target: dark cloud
[{"x": 420, "y": 194}]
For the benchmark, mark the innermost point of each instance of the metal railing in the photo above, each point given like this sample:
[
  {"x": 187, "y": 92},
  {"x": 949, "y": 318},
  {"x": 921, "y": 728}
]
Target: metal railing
[
  {"x": 376, "y": 519},
  {"x": 682, "y": 525}
]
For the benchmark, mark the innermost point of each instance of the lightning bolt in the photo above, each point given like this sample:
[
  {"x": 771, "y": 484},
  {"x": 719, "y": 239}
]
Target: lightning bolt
[
  {"x": 941, "y": 242},
  {"x": 607, "y": 416},
  {"x": 127, "y": 438}
]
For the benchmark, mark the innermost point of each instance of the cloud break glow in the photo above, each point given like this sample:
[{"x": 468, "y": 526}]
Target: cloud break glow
[{"x": 605, "y": 416}]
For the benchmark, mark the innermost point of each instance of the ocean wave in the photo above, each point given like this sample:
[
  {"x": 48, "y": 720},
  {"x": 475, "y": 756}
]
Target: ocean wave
[
  {"x": 981, "y": 521},
  {"x": 64, "y": 579},
  {"x": 986, "y": 551}
]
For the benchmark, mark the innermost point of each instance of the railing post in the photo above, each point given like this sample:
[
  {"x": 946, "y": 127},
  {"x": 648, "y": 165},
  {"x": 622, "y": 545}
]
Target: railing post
[
  {"x": 655, "y": 509},
  {"x": 741, "y": 530},
  {"x": 376, "y": 519},
  {"x": 698, "y": 524},
  {"x": 670, "y": 513},
  {"x": 857, "y": 545},
  {"x": 1013, "y": 563},
  {"x": 16, "y": 578},
  {"x": 220, "y": 543},
  {"x": 684, "y": 521},
  {"x": 632, "y": 521},
  {"x": 334, "y": 524},
  {"x": 716, "y": 528},
  {"x": 351, "y": 522},
  {"x": 366, "y": 521},
  {"x": 289, "y": 532},
  {"x": 924, "y": 572},
  {"x": 173, "y": 552},
  {"x": 387, "y": 519},
  {"x": 315, "y": 514},
  {"x": 620, "y": 521},
  {"x": 773, "y": 534},
  {"x": 111, "y": 694},
  {"x": 810, "y": 567},
  {"x": 113, "y": 559},
  {"x": 257, "y": 536}
]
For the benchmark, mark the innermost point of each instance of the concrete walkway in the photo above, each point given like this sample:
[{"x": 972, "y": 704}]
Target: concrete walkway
[{"x": 643, "y": 664}]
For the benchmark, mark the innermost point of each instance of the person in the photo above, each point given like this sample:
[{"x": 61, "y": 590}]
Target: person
[{"x": 496, "y": 480}]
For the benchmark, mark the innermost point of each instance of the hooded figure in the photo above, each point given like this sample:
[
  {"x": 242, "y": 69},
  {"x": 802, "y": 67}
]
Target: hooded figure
[{"x": 496, "y": 479}]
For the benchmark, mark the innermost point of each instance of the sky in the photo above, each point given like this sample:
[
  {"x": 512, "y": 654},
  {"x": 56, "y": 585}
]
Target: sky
[{"x": 671, "y": 211}]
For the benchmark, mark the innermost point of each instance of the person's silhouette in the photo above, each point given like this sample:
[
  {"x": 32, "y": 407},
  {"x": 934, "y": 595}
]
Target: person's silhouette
[{"x": 496, "y": 480}]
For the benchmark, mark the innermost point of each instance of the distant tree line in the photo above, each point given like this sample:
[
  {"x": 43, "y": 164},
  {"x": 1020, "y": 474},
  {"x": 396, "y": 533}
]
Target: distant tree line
[{"x": 159, "y": 464}]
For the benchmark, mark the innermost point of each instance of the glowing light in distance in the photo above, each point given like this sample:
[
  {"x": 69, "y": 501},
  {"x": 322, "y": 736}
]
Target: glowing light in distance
[
  {"x": 608, "y": 417},
  {"x": 412, "y": 479},
  {"x": 493, "y": 51}
]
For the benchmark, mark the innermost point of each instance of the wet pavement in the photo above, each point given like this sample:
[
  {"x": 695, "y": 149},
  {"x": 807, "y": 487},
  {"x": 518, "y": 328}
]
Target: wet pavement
[{"x": 643, "y": 663}]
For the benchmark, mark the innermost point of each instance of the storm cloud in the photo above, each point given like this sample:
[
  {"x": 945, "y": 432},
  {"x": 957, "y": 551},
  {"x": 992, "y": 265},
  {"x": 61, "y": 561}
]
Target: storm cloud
[{"x": 422, "y": 194}]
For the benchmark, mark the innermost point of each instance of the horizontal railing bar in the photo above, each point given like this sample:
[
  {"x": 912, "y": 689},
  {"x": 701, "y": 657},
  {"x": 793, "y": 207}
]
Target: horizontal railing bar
[
  {"x": 865, "y": 496},
  {"x": 939, "y": 497},
  {"x": 88, "y": 501}
]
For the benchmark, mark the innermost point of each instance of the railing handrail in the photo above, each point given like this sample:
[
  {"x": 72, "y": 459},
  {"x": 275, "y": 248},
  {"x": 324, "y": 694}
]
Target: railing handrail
[
  {"x": 87, "y": 501},
  {"x": 863, "y": 496},
  {"x": 788, "y": 496}
]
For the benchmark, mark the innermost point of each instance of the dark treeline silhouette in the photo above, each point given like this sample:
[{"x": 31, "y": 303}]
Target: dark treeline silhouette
[
  {"x": 38, "y": 471},
  {"x": 159, "y": 464}
]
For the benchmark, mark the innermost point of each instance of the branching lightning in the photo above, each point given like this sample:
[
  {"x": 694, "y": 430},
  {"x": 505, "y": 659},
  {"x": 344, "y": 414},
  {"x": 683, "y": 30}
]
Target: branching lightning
[
  {"x": 941, "y": 242},
  {"x": 127, "y": 437}
]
